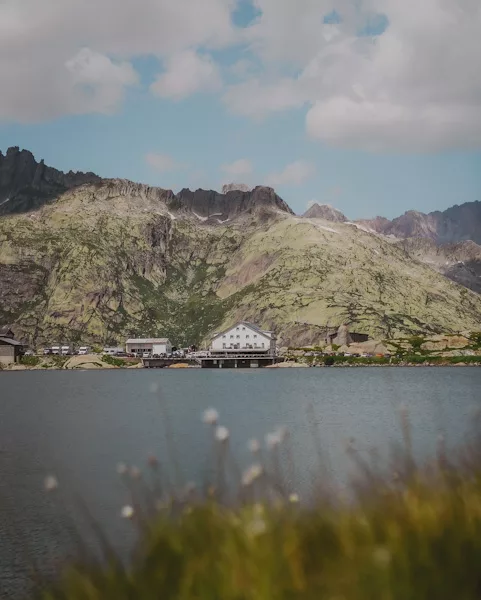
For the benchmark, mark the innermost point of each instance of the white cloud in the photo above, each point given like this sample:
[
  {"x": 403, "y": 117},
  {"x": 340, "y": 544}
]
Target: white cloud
[
  {"x": 238, "y": 168},
  {"x": 43, "y": 74},
  {"x": 163, "y": 162},
  {"x": 255, "y": 98},
  {"x": 97, "y": 82},
  {"x": 295, "y": 173},
  {"x": 185, "y": 74},
  {"x": 415, "y": 87}
]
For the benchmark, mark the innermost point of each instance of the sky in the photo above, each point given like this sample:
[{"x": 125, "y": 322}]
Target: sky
[{"x": 372, "y": 106}]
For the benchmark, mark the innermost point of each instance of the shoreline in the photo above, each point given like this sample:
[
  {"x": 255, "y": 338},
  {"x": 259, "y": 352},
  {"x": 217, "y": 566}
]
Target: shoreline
[{"x": 24, "y": 368}]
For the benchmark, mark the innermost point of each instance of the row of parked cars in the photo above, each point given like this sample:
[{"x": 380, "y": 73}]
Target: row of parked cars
[
  {"x": 68, "y": 350},
  {"x": 175, "y": 354}
]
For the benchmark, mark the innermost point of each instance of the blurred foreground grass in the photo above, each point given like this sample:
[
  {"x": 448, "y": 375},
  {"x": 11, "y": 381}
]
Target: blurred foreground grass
[{"x": 405, "y": 532}]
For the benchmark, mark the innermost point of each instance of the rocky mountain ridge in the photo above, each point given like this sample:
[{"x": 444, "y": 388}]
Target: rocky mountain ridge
[
  {"x": 111, "y": 259},
  {"x": 26, "y": 184},
  {"x": 456, "y": 224}
]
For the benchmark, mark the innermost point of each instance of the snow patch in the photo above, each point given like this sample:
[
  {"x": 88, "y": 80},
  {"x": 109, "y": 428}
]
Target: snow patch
[
  {"x": 327, "y": 229},
  {"x": 199, "y": 217},
  {"x": 220, "y": 221},
  {"x": 173, "y": 217}
]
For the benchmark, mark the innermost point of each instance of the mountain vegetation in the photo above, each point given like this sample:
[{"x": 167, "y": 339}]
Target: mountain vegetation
[{"x": 97, "y": 261}]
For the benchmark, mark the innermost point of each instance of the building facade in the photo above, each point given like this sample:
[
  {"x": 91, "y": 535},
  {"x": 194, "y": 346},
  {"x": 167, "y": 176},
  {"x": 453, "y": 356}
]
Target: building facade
[
  {"x": 152, "y": 345},
  {"x": 244, "y": 337},
  {"x": 11, "y": 350}
]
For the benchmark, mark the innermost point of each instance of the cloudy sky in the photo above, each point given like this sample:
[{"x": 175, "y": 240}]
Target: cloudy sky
[{"x": 373, "y": 106}]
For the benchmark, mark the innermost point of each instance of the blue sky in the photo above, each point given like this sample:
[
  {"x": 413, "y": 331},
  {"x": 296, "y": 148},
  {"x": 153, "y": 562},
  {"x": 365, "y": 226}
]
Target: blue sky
[{"x": 320, "y": 122}]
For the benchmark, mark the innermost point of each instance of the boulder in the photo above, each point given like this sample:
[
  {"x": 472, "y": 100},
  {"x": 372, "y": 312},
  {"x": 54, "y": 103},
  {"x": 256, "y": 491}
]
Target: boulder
[{"x": 343, "y": 338}]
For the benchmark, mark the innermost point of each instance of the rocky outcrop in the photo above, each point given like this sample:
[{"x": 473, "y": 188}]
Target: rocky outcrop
[
  {"x": 26, "y": 184},
  {"x": 459, "y": 262},
  {"x": 235, "y": 187},
  {"x": 223, "y": 207},
  {"x": 343, "y": 337},
  {"x": 456, "y": 224},
  {"x": 326, "y": 212}
]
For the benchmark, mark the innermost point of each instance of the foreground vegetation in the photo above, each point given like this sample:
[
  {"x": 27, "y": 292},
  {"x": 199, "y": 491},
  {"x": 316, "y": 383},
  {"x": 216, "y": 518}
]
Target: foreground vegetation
[{"x": 402, "y": 532}]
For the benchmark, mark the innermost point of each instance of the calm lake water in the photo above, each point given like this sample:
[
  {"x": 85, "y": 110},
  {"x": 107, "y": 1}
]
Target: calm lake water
[{"x": 79, "y": 425}]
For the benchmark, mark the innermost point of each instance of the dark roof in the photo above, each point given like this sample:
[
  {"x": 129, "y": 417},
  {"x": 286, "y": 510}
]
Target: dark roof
[
  {"x": 6, "y": 332},
  {"x": 10, "y": 341}
]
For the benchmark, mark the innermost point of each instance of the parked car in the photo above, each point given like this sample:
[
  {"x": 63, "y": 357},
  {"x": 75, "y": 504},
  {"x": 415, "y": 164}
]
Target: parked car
[
  {"x": 83, "y": 350},
  {"x": 146, "y": 355}
]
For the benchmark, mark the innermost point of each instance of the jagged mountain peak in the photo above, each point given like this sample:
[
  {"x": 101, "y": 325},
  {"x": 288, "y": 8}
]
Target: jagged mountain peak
[
  {"x": 225, "y": 206},
  {"x": 325, "y": 211},
  {"x": 26, "y": 184}
]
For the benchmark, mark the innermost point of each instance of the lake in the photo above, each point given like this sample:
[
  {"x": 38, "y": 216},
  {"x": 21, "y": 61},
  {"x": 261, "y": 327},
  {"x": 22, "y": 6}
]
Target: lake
[{"x": 80, "y": 425}]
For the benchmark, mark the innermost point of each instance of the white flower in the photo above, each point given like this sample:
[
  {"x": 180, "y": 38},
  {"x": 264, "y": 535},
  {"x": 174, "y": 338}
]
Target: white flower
[
  {"x": 50, "y": 483},
  {"x": 254, "y": 446},
  {"x": 273, "y": 440},
  {"x": 135, "y": 472},
  {"x": 210, "y": 416},
  {"x": 154, "y": 388},
  {"x": 122, "y": 469},
  {"x": 294, "y": 498},
  {"x": 127, "y": 512},
  {"x": 251, "y": 474},
  {"x": 222, "y": 434}
]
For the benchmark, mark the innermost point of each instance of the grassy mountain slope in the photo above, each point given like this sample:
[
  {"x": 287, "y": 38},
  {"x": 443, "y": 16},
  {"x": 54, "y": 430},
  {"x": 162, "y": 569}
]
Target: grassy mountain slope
[{"x": 115, "y": 259}]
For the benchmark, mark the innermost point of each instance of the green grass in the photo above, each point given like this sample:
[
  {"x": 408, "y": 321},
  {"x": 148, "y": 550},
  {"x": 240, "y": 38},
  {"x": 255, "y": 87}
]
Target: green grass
[
  {"x": 406, "y": 532},
  {"x": 408, "y": 359},
  {"x": 112, "y": 360},
  {"x": 31, "y": 361}
]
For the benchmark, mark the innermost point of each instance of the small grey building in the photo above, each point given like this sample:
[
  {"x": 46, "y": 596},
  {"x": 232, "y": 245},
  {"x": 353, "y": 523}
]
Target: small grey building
[
  {"x": 152, "y": 345},
  {"x": 10, "y": 349}
]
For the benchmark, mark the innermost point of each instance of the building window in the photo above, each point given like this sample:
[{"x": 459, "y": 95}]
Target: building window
[
  {"x": 231, "y": 337},
  {"x": 255, "y": 335},
  {"x": 247, "y": 336},
  {"x": 237, "y": 337},
  {"x": 263, "y": 344},
  {"x": 223, "y": 337},
  {"x": 237, "y": 328},
  {"x": 243, "y": 329},
  {"x": 223, "y": 345}
]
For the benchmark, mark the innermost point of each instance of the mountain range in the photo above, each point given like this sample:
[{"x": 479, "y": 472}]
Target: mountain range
[{"x": 97, "y": 260}]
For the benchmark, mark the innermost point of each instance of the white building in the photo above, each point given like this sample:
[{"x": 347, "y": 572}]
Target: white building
[
  {"x": 244, "y": 337},
  {"x": 152, "y": 345}
]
